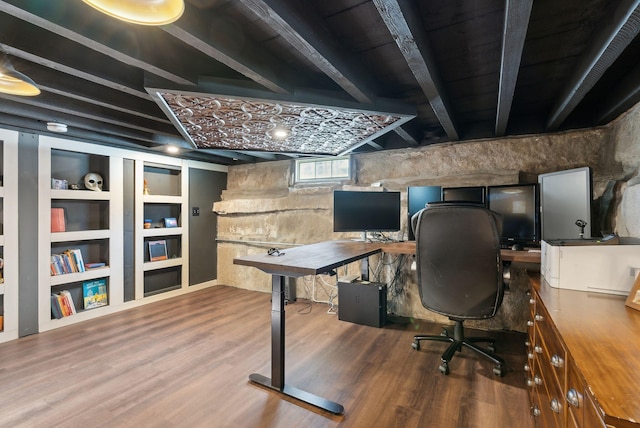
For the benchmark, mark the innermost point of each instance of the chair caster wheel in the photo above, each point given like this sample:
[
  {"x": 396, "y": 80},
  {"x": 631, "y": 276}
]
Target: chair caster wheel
[
  {"x": 497, "y": 370},
  {"x": 416, "y": 346},
  {"x": 444, "y": 368},
  {"x": 444, "y": 332}
]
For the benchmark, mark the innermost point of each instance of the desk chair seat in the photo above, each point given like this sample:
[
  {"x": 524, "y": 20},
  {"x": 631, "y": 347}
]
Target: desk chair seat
[{"x": 459, "y": 273}]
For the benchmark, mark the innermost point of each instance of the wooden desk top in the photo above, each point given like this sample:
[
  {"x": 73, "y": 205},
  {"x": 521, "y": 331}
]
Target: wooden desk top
[
  {"x": 312, "y": 259},
  {"x": 603, "y": 337},
  {"x": 409, "y": 247}
]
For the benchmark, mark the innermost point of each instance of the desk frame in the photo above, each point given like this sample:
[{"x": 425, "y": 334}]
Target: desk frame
[{"x": 311, "y": 259}]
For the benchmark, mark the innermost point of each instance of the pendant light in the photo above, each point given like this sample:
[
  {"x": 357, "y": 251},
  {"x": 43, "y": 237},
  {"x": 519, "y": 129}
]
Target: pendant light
[
  {"x": 143, "y": 12},
  {"x": 15, "y": 83}
]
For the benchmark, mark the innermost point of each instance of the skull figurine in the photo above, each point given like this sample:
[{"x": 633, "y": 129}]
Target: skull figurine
[{"x": 93, "y": 181}]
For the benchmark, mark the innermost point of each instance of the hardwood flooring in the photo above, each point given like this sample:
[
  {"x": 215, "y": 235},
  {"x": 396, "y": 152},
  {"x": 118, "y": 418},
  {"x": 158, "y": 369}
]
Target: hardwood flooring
[{"x": 185, "y": 362}]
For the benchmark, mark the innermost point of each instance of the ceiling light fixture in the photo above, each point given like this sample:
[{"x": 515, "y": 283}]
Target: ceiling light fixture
[
  {"x": 56, "y": 127},
  {"x": 15, "y": 83},
  {"x": 143, "y": 12},
  {"x": 172, "y": 149}
]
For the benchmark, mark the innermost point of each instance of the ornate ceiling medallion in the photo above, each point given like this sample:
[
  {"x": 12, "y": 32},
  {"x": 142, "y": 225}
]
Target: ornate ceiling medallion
[{"x": 235, "y": 123}]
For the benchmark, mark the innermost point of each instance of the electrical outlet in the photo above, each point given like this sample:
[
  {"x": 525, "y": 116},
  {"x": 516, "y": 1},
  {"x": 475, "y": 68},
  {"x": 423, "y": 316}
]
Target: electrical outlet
[{"x": 195, "y": 211}]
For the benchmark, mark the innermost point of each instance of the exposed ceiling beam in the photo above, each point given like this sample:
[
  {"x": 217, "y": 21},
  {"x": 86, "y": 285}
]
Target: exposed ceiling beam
[
  {"x": 610, "y": 42},
  {"x": 406, "y": 29},
  {"x": 311, "y": 44},
  {"x": 190, "y": 30},
  {"x": 514, "y": 32},
  {"x": 408, "y": 138},
  {"x": 62, "y": 25},
  {"x": 625, "y": 95},
  {"x": 72, "y": 71}
]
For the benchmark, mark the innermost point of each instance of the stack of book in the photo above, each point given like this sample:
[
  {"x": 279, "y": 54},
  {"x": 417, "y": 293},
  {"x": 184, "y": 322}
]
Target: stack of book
[
  {"x": 68, "y": 262},
  {"x": 62, "y": 304}
]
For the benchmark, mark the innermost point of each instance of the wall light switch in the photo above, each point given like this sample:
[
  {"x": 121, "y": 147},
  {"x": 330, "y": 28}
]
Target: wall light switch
[{"x": 195, "y": 211}]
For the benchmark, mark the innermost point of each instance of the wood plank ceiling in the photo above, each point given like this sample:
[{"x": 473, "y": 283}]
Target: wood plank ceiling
[{"x": 466, "y": 69}]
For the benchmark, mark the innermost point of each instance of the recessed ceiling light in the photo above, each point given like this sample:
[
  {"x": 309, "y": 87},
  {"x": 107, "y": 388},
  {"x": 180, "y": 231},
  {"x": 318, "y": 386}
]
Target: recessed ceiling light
[
  {"x": 143, "y": 12},
  {"x": 172, "y": 149},
  {"x": 56, "y": 127},
  {"x": 280, "y": 133}
]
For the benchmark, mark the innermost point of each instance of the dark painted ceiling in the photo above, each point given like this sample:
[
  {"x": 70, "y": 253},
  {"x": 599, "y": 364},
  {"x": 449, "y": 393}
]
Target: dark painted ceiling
[{"x": 467, "y": 68}]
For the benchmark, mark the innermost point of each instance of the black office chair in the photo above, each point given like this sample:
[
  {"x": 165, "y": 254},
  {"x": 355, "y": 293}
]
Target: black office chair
[{"x": 459, "y": 272}]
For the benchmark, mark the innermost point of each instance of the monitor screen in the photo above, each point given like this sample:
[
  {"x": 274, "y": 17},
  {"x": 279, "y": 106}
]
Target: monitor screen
[
  {"x": 520, "y": 207},
  {"x": 417, "y": 198},
  {"x": 355, "y": 211},
  {"x": 464, "y": 194}
]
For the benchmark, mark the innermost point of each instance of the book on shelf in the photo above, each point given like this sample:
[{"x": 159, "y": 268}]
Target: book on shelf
[
  {"x": 70, "y": 261},
  {"x": 58, "y": 223},
  {"x": 95, "y": 293},
  {"x": 94, "y": 265},
  {"x": 62, "y": 304}
]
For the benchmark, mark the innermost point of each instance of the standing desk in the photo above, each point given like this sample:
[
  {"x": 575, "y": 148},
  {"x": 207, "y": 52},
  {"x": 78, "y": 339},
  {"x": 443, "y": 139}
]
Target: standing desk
[
  {"x": 311, "y": 259},
  {"x": 315, "y": 259}
]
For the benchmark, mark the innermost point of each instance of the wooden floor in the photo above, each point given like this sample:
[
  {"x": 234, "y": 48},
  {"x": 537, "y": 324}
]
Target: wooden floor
[{"x": 185, "y": 362}]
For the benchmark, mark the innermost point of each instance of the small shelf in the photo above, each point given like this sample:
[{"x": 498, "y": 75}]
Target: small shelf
[
  {"x": 149, "y": 266},
  {"x": 83, "y": 235},
  {"x": 161, "y": 199},
  {"x": 89, "y": 274},
  {"x": 87, "y": 195},
  {"x": 162, "y": 231}
]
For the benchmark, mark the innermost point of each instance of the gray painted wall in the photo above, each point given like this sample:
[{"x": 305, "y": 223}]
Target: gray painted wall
[
  {"x": 28, "y": 233},
  {"x": 205, "y": 188}
]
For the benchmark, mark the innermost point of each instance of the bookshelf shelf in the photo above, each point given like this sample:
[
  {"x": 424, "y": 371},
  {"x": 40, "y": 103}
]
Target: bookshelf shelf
[
  {"x": 148, "y": 266},
  {"x": 162, "y": 231},
  {"x": 90, "y": 274},
  {"x": 81, "y": 235},
  {"x": 88, "y": 195}
]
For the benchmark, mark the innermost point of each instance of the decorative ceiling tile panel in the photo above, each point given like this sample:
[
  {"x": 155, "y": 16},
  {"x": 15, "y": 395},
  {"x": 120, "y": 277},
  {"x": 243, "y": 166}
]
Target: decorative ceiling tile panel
[{"x": 222, "y": 122}]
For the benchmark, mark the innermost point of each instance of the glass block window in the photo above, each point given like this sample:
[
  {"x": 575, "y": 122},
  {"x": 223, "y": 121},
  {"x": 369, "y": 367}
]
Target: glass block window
[{"x": 323, "y": 169}]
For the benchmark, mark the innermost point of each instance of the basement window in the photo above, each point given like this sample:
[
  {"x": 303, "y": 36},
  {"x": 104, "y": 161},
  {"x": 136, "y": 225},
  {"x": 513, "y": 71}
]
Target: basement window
[{"x": 322, "y": 169}]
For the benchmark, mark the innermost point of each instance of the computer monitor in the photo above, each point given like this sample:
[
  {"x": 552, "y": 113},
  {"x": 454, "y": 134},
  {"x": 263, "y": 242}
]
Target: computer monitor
[
  {"x": 464, "y": 194},
  {"x": 417, "y": 198},
  {"x": 520, "y": 209},
  {"x": 565, "y": 197},
  {"x": 355, "y": 211}
]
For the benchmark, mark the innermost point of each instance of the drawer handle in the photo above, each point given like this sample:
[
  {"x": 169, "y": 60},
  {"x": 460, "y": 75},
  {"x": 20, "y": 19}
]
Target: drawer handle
[
  {"x": 555, "y": 405},
  {"x": 537, "y": 380},
  {"x": 574, "y": 398},
  {"x": 527, "y": 368},
  {"x": 538, "y": 349},
  {"x": 530, "y": 355},
  {"x": 527, "y": 343},
  {"x": 538, "y": 317},
  {"x": 529, "y": 323},
  {"x": 530, "y": 382},
  {"x": 532, "y": 301},
  {"x": 557, "y": 361},
  {"x": 535, "y": 411}
]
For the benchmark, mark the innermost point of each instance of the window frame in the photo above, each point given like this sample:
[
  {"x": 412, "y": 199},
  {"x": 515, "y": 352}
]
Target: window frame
[{"x": 324, "y": 178}]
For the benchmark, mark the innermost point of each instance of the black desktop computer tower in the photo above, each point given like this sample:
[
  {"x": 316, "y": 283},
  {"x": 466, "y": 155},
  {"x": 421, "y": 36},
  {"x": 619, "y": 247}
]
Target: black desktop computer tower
[{"x": 363, "y": 302}]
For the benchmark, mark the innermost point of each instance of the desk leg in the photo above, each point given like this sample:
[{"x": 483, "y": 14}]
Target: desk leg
[{"x": 277, "y": 355}]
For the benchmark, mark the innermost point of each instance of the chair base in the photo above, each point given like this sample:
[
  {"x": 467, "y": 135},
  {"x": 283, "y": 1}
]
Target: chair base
[{"x": 457, "y": 342}]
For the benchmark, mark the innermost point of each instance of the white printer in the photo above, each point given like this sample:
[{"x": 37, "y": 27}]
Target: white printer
[{"x": 607, "y": 265}]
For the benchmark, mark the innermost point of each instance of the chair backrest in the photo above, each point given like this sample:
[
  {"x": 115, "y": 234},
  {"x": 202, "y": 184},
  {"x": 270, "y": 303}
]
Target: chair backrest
[{"x": 458, "y": 260}]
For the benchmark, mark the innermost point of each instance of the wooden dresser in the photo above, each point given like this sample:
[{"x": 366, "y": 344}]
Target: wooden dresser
[{"x": 583, "y": 353}]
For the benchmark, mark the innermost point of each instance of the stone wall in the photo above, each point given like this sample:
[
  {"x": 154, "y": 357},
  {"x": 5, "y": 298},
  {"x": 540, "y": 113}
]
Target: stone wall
[{"x": 262, "y": 208}]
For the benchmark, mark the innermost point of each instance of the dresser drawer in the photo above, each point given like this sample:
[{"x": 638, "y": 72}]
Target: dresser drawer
[{"x": 574, "y": 395}]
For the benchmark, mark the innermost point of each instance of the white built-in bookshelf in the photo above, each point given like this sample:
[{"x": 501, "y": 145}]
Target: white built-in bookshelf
[
  {"x": 161, "y": 222},
  {"x": 93, "y": 225},
  {"x": 9, "y": 234}
]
